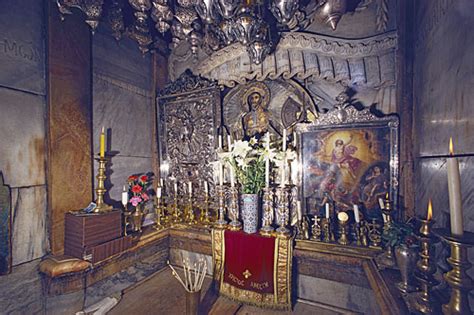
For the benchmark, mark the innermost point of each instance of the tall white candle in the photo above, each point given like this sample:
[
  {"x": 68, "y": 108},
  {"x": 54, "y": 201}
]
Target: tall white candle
[
  {"x": 220, "y": 141},
  {"x": 284, "y": 140},
  {"x": 229, "y": 143},
  {"x": 162, "y": 182},
  {"x": 190, "y": 188},
  {"x": 124, "y": 196},
  {"x": 267, "y": 161},
  {"x": 327, "y": 210},
  {"x": 232, "y": 180},
  {"x": 176, "y": 188},
  {"x": 283, "y": 173},
  {"x": 206, "y": 187},
  {"x": 294, "y": 139},
  {"x": 356, "y": 213},
  {"x": 299, "y": 212},
  {"x": 221, "y": 175},
  {"x": 158, "y": 192},
  {"x": 454, "y": 189},
  {"x": 381, "y": 204}
]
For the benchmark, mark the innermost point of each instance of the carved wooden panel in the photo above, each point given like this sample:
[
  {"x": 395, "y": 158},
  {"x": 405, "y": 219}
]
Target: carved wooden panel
[{"x": 188, "y": 116}]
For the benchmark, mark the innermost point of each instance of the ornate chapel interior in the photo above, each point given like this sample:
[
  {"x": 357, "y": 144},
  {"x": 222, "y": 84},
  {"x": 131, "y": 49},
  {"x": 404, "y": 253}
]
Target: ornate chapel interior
[{"x": 236, "y": 157}]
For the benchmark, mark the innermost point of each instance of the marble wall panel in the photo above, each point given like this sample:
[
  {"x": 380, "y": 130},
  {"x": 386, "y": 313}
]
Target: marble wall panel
[
  {"x": 121, "y": 60},
  {"x": 337, "y": 294},
  {"x": 118, "y": 170},
  {"x": 444, "y": 76},
  {"x": 22, "y": 140},
  {"x": 29, "y": 230},
  {"x": 22, "y": 55},
  {"x": 127, "y": 111},
  {"x": 21, "y": 291}
]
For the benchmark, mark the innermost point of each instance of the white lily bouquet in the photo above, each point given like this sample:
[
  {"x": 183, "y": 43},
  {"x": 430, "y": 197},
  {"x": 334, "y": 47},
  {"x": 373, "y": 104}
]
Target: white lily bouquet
[{"x": 250, "y": 162}]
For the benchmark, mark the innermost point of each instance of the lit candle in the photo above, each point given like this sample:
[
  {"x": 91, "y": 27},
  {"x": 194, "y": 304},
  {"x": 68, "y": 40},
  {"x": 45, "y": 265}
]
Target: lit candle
[
  {"x": 284, "y": 140},
  {"x": 381, "y": 204},
  {"x": 299, "y": 213},
  {"x": 176, "y": 187},
  {"x": 454, "y": 189},
  {"x": 102, "y": 143},
  {"x": 190, "y": 188},
  {"x": 327, "y": 210},
  {"x": 158, "y": 192},
  {"x": 267, "y": 161},
  {"x": 429, "y": 215},
  {"x": 206, "y": 188},
  {"x": 124, "y": 196},
  {"x": 356, "y": 213}
]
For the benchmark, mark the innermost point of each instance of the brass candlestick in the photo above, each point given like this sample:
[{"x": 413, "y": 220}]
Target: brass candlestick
[
  {"x": 343, "y": 220},
  {"x": 127, "y": 215},
  {"x": 457, "y": 278},
  {"x": 221, "y": 222},
  {"x": 375, "y": 236},
  {"x": 100, "y": 189},
  {"x": 159, "y": 214},
  {"x": 234, "y": 224},
  {"x": 283, "y": 211},
  {"x": 387, "y": 258},
  {"x": 316, "y": 229},
  {"x": 189, "y": 211},
  {"x": 176, "y": 212},
  {"x": 267, "y": 217},
  {"x": 328, "y": 235},
  {"x": 423, "y": 300},
  {"x": 361, "y": 232},
  {"x": 204, "y": 216}
]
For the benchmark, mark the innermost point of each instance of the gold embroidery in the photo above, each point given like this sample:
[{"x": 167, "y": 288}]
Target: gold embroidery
[{"x": 246, "y": 274}]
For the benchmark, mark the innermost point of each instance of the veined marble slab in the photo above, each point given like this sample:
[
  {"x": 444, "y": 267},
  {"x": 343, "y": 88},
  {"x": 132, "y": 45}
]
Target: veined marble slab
[
  {"x": 126, "y": 113},
  {"x": 22, "y": 45},
  {"x": 444, "y": 77},
  {"x": 22, "y": 140},
  {"x": 121, "y": 60},
  {"x": 29, "y": 233}
]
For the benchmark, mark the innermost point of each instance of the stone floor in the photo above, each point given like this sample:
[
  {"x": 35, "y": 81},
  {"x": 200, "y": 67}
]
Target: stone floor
[{"x": 162, "y": 294}]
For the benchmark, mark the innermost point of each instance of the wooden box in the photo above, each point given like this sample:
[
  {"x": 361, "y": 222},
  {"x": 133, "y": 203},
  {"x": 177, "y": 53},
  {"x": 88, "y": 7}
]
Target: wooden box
[
  {"x": 87, "y": 230},
  {"x": 103, "y": 251}
]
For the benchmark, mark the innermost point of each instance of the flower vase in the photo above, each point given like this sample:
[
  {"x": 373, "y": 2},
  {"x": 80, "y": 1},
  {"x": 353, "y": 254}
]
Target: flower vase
[
  {"x": 250, "y": 212},
  {"x": 406, "y": 258},
  {"x": 137, "y": 217}
]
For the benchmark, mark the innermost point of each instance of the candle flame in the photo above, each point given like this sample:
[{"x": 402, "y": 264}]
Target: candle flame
[
  {"x": 430, "y": 211},
  {"x": 451, "y": 147}
]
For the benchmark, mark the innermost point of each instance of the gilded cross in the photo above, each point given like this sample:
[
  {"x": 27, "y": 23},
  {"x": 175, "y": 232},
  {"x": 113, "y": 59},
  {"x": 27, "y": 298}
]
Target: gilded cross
[{"x": 246, "y": 273}]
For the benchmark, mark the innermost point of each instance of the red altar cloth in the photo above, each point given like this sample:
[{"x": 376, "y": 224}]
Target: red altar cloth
[
  {"x": 249, "y": 261},
  {"x": 253, "y": 269}
]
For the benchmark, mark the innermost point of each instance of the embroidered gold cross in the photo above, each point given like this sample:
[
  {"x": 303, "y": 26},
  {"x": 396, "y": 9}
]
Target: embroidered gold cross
[{"x": 246, "y": 274}]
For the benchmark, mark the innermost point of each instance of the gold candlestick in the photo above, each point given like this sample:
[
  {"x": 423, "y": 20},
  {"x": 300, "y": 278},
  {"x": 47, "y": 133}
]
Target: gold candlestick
[
  {"x": 176, "y": 212},
  {"x": 457, "y": 278},
  {"x": 100, "y": 189},
  {"x": 204, "y": 217},
  {"x": 327, "y": 230},
  {"x": 424, "y": 301},
  {"x": 234, "y": 224},
  {"x": 221, "y": 222},
  {"x": 189, "y": 212},
  {"x": 316, "y": 229},
  {"x": 283, "y": 211},
  {"x": 343, "y": 219},
  {"x": 267, "y": 218},
  {"x": 159, "y": 214}
]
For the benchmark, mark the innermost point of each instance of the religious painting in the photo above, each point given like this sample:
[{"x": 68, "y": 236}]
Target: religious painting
[{"x": 348, "y": 163}]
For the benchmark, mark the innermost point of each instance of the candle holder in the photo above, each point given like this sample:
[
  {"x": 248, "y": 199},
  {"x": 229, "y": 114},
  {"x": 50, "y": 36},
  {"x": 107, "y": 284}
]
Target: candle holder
[
  {"x": 204, "y": 216},
  {"x": 302, "y": 231},
  {"x": 159, "y": 214},
  {"x": 423, "y": 301},
  {"x": 457, "y": 278},
  {"x": 176, "y": 212},
  {"x": 267, "y": 217},
  {"x": 283, "y": 211},
  {"x": 343, "y": 235},
  {"x": 221, "y": 222},
  {"x": 375, "y": 236},
  {"x": 316, "y": 230},
  {"x": 361, "y": 233},
  {"x": 100, "y": 189},
  {"x": 327, "y": 230},
  {"x": 387, "y": 258},
  {"x": 189, "y": 216},
  {"x": 234, "y": 224},
  {"x": 127, "y": 221}
]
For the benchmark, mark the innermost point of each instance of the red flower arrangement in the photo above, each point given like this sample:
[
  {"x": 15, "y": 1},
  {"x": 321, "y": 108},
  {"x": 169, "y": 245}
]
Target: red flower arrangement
[{"x": 138, "y": 189}]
